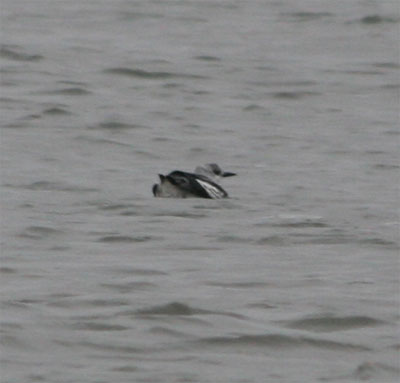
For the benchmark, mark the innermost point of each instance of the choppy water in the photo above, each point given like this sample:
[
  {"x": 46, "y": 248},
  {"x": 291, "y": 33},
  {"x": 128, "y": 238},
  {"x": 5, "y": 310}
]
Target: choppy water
[{"x": 293, "y": 279}]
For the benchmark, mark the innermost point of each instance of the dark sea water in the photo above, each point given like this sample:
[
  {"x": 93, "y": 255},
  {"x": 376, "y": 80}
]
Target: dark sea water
[{"x": 295, "y": 278}]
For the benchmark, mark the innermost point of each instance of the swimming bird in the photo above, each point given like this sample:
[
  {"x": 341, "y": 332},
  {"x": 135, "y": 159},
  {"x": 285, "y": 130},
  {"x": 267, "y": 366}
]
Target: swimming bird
[{"x": 179, "y": 184}]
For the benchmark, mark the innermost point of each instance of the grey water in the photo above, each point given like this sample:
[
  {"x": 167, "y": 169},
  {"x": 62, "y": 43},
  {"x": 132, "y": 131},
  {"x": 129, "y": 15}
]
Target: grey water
[{"x": 295, "y": 278}]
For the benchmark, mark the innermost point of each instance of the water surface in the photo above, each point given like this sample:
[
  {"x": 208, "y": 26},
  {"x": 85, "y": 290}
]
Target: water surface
[{"x": 292, "y": 279}]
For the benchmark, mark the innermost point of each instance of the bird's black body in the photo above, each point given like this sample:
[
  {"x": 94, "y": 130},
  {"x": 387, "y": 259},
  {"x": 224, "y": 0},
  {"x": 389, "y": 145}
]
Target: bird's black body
[
  {"x": 199, "y": 185},
  {"x": 179, "y": 184}
]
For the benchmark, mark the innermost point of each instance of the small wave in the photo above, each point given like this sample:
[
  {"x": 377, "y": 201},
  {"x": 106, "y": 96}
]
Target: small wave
[
  {"x": 11, "y": 326},
  {"x": 10, "y": 100},
  {"x": 207, "y": 58},
  {"x": 18, "y": 125},
  {"x": 363, "y": 72},
  {"x": 158, "y": 330},
  {"x": 72, "y": 83},
  {"x": 74, "y": 91},
  {"x": 151, "y": 75},
  {"x": 96, "y": 346},
  {"x": 173, "y": 308},
  {"x": 192, "y": 248},
  {"x": 179, "y": 214},
  {"x": 182, "y": 309},
  {"x": 198, "y": 150},
  {"x": 393, "y": 132},
  {"x": 281, "y": 341},
  {"x": 387, "y": 65},
  {"x": 379, "y": 242},
  {"x": 133, "y": 16},
  {"x": 252, "y": 108},
  {"x": 191, "y": 19},
  {"x": 128, "y": 287},
  {"x": 126, "y": 368},
  {"x": 274, "y": 240},
  {"x": 283, "y": 83},
  {"x": 59, "y": 248},
  {"x": 117, "y": 206},
  {"x": 116, "y": 125},
  {"x": 38, "y": 232},
  {"x": 8, "y": 341},
  {"x": 221, "y": 205},
  {"x": 262, "y": 305},
  {"x": 391, "y": 87},
  {"x": 93, "y": 326},
  {"x": 85, "y": 303},
  {"x": 56, "y": 111},
  {"x": 330, "y": 323},
  {"x": 124, "y": 238},
  {"x": 395, "y": 347},
  {"x": 42, "y": 230},
  {"x": 16, "y": 304},
  {"x": 371, "y": 370},
  {"x": 294, "y": 221},
  {"x": 301, "y": 224},
  {"x": 368, "y": 371},
  {"x": 378, "y": 19},
  {"x": 97, "y": 140},
  {"x": 7, "y": 270},
  {"x": 14, "y": 53},
  {"x": 239, "y": 285},
  {"x": 55, "y": 186},
  {"x": 139, "y": 73},
  {"x": 147, "y": 154},
  {"x": 294, "y": 95},
  {"x": 307, "y": 16},
  {"x": 234, "y": 239},
  {"x": 386, "y": 166},
  {"x": 142, "y": 272},
  {"x": 332, "y": 237}
]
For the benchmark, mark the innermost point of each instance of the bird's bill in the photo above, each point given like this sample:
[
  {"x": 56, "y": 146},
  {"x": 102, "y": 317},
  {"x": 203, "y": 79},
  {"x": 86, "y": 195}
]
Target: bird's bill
[{"x": 228, "y": 174}]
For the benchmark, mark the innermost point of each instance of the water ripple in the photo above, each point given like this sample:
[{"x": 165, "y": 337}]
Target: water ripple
[
  {"x": 93, "y": 326},
  {"x": 330, "y": 323},
  {"x": 182, "y": 310},
  {"x": 151, "y": 75},
  {"x": 142, "y": 272},
  {"x": 307, "y": 16},
  {"x": 128, "y": 287},
  {"x": 56, "y": 111},
  {"x": 207, "y": 58},
  {"x": 73, "y": 91},
  {"x": 74, "y": 303},
  {"x": 98, "y": 346},
  {"x": 173, "y": 308},
  {"x": 281, "y": 341},
  {"x": 378, "y": 19},
  {"x": 7, "y": 270},
  {"x": 53, "y": 186},
  {"x": 39, "y": 232},
  {"x": 239, "y": 285},
  {"x": 116, "y": 125},
  {"x": 293, "y": 95},
  {"x": 368, "y": 371},
  {"x": 125, "y": 238},
  {"x": 13, "y": 52},
  {"x": 371, "y": 370}
]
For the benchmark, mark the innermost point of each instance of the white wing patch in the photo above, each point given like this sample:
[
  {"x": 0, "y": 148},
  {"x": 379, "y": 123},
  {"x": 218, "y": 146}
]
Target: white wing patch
[{"x": 211, "y": 190}]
